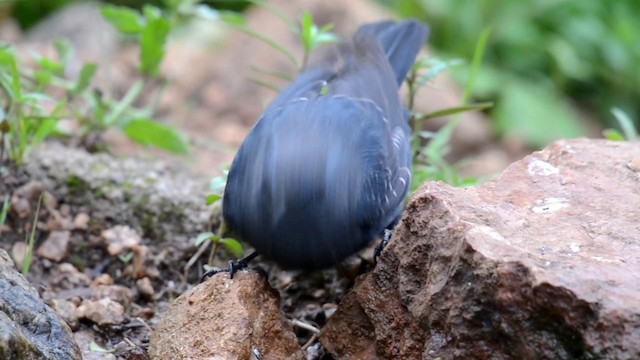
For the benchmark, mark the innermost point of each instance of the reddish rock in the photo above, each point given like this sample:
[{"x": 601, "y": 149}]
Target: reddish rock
[
  {"x": 542, "y": 262},
  {"x": 225, "y": 319}
]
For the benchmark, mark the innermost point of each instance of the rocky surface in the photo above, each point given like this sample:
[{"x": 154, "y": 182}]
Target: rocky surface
[
  {"x": 154, "y": 198},
  {"x": 29, "y": 329},
  {"x": 226, "y": 318},
  {"x": 542, "y": 262}
]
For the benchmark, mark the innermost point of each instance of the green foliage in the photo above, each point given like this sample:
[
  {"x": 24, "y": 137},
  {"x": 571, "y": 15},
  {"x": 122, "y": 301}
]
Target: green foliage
[
  {"x": 30, "y": 240},
  {"x": 27, "y": 121},
  {"x": 429, "y": 161},
  {"x": 311, "y": 36},
  {"x": 543, "y": 57},
  {"x": 4, "y": 211},
  {"x": 35, "y": 103},
  {"x": 307, "y": 32},
  {"x": 629, "y": 132}
]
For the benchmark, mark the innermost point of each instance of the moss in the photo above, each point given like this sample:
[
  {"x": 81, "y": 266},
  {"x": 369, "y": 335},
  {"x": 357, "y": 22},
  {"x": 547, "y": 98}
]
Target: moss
[{"x": 76, "y": 185}]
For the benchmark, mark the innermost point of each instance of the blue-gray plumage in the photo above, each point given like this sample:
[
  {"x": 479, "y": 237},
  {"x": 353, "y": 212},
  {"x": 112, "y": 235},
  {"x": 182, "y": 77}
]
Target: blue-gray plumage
[{"x": 325, "y": 169}]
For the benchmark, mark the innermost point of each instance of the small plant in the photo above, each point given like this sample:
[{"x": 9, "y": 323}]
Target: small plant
[
  {"x": 233, "y": 246},
  {"x": 4, "y": 210},
  {"x": 629, "y": 132},
  {"x": 429, "y": 161},
  {"x": 310, "y": 35},
  {"x": 30, "y": 240},
  {"x": 36, "y": 99}
]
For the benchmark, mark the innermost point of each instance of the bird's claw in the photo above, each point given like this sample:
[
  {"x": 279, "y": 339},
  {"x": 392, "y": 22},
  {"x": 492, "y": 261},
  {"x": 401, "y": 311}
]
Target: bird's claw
[{"x": 385, "y": 240}]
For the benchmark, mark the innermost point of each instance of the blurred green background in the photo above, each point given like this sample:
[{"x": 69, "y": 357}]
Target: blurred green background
[{"x": 550, "y": 66}]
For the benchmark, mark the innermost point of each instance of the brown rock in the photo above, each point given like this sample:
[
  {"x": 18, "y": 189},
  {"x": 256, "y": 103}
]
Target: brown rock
[
  {"x": 81, "y": 221},
  {"x": 145, "y": 288},
  {"x": 225, "y": 319},
  {"x": 67, "y": 311},
  {"x": 117, "y": 293},
  {"x": 55, "y": 247},
  {"x": 542, "y": 262},
  {"x": 102, "y": 312},
  {"x": 120, "y": 238}
]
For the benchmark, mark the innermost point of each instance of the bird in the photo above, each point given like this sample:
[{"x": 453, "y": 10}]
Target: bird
[{"x": 326, "y": 167}]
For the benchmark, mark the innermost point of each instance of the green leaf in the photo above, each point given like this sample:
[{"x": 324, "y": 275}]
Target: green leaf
[
  {"x": 124, "y": 103},
  {"x": 152, "y": 41},
  {"x": 97, "y": 348},
  {"x": 126, "y": 258},
  {"x": 233, "y": 246},
  {"x": 151, "y": 12},
  {"x": 150, "y": 133},
  {"x": 217, "y": 183},
  {"x": 51, "y": 66},
  {"x": 7, "y": 58},
  {"x": 204, "y": 236},
  {"x": 232, "y": 18},
  {"x": 125, "y": 20},
  {"x": 64, "y": 51},
  {"x": 456, "y": 110},
  {"x": 629, "y": 130},
  {"x": 45, "y": 129},
  {"x": 86, "y": 74},
  {"x": 613, "y": 135},
  {"x": 211, "y": 198},
  {"x": 5, "y": 210}
]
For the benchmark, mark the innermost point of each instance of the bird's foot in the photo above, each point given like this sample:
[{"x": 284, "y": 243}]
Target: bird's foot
[
  {"x": 234, "y": 266},
  {"x": 385, "y": 240}
]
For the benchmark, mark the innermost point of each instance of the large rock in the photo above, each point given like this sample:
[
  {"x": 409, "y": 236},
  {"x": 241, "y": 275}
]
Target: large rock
[
  {"x": 542, "y": 262},
  {"x": 29, "y": 329},
  {"x": 226, "y": 319}
]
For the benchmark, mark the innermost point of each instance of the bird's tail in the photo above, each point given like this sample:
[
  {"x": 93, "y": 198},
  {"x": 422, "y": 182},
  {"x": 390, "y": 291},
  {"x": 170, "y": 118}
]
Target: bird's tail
[{"x": 400, "y": 41}]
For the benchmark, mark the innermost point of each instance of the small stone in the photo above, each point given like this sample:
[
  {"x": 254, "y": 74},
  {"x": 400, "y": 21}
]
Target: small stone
[
  {"x": 67, "y": 276},
  {"x": 117, "y": 293},
  {"x": 81, "y": 221},
  {"x": 144, "y": 313},
  {"x": 329, "y": 309},
  {"x": 49, "y": 201},
  {"x": 65, "y": 210},
  {"x": 120, "y": 238},
  {"x": 55, "y": 247},
  {"x": 20, "y": 206},
  {"x": 30, "y": 191},
  {"x": 67, "y": 311},
  {"x": 18, "y": 252},
  {"x": 102, "y": 312},
  {"x": 103, "y": 279},
  {"x": 145, "y": 288},
  {"x": 57, "y": 221},
  {"x": 140, "y": 255},
  {"x": 319, "y": 293}
]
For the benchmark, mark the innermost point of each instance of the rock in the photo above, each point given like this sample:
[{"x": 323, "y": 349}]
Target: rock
[
  {"x": 102, "y": 312},
  {"x": 67, "y": 311},
  {"x": 18, "y": 252},
  {"x": 55, "y": 246},
  {"x": 67, "y": 276},
  {"x": 118, "y": 293},
  {"x": 120, "y": 238},
  {"x": 542, "y": 262},
  {"x": 81, "y": 221},
  {"x": 225, "y": 319},
  {"x": 30, "y": 329},
  {"x": 151, "y": 198},
  {"x": 145, "y": 288},
  {"x": 85, "y": 339}
]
